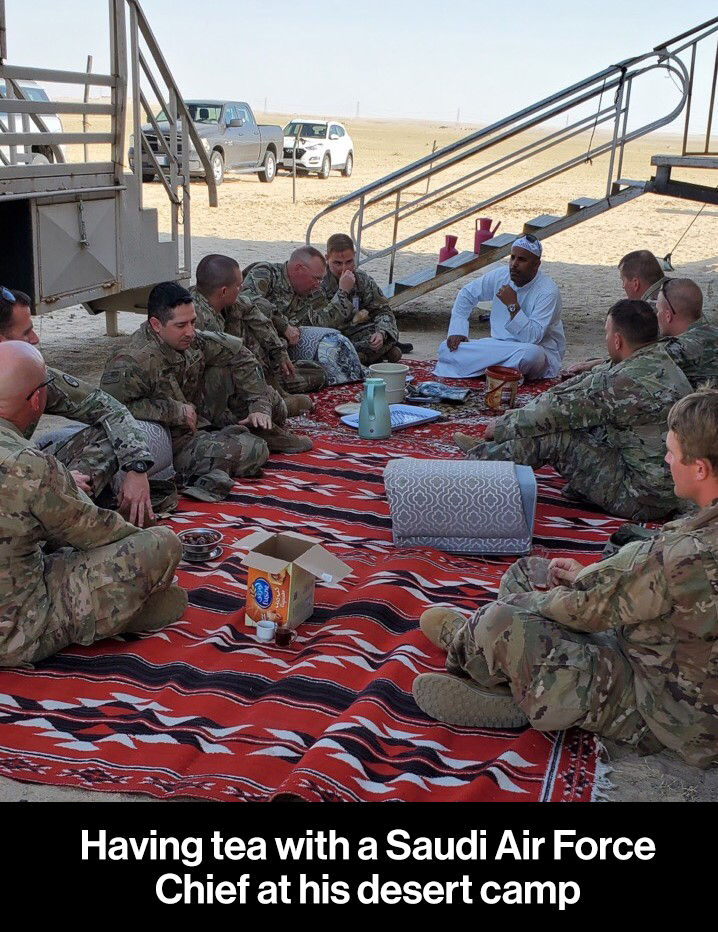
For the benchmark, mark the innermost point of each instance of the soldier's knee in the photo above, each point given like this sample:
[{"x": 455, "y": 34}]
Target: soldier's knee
[
  {"x": 492, "y": 625},
  {"x": 165, "y": 544}
]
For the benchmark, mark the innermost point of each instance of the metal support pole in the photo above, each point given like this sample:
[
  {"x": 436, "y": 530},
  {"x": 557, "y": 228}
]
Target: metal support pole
[
  {"x": 86, "y": 99},
  {"x": 294, "y": 166},
  {"x": 3, "y": 32},
  {"x": 396, "y": 230},
  {"x": 712, "y": 103}
]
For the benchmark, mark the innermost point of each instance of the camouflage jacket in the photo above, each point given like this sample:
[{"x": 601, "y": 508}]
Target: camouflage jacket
[
  {"x": 245, "y": 320},
  {"x": 368, "y": 296},
  {"x": 660, "y": 595},
  {"x": 269, "y": 280},
  {"x": 39, "y": 502},
  {"x": 74, "y": 399},
  {"x": 695, "y": 351},
  {"x": 625, "y": 406},
  {"x": 155, "y": 382}
]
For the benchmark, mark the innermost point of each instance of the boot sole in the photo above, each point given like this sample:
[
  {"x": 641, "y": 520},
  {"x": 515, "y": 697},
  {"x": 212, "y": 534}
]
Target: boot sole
[{"x": 461, "y": 702}]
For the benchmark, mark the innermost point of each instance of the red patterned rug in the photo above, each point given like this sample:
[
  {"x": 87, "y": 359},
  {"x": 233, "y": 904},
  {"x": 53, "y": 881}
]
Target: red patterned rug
[{"x": 203, "y": 709}]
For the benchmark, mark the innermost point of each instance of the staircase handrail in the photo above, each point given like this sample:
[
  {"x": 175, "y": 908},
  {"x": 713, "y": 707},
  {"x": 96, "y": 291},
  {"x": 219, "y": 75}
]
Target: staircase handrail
[{"x": 617, "y": 78}]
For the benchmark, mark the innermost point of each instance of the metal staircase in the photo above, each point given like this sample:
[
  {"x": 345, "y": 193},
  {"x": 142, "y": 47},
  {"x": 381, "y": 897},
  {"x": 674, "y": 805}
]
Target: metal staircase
[
  {"x": 378, "y": 210},
  {"x": 76, "y": 230}
]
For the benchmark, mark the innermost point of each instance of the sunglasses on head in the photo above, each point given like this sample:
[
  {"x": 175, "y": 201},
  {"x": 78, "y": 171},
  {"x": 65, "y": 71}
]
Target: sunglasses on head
[{"x": 7, "y": 295}]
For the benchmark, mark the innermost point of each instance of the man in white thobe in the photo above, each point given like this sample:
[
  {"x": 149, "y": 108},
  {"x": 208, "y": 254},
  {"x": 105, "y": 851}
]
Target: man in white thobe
[{"x": 526, "y": 328}]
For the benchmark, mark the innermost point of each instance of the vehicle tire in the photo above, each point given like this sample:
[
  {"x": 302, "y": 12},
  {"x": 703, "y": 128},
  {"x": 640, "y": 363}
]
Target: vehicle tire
[
  {"x": 269, "y": 171},
  {"x": 217, "y": 163},
  {"x": 148, "y": 176},
  {"x": 326, "y": 167},
  {"x": 349, "y": 167}
]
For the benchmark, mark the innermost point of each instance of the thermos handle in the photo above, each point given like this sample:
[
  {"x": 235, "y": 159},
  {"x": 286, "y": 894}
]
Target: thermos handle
[{"x": 370, "y": 400}]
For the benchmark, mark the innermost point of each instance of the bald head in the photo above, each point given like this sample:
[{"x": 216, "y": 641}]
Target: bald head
[
  {"x": 305, "y": 269},
  {"x": 679, "y": 304},
  {"x": 22, "y": 370}
]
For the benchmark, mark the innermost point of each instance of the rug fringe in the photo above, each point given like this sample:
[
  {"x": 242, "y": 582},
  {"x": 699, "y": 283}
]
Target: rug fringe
[{"x": 602, "y": 784}]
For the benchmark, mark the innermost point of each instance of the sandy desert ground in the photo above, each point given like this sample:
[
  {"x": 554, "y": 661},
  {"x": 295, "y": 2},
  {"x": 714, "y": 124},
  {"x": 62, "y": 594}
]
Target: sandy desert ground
[{"x": 259, "y": 221}]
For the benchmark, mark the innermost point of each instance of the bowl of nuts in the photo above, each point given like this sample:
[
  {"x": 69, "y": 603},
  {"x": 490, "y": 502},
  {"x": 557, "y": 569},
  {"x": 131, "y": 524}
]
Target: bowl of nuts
[{"x": 200, "y": 544}]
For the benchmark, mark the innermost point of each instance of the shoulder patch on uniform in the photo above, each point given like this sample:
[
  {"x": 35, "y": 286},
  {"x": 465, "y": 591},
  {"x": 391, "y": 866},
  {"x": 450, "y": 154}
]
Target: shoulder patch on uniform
[
  {"x": 108, "y": 377},
  {"x": 70, "y": 380}
]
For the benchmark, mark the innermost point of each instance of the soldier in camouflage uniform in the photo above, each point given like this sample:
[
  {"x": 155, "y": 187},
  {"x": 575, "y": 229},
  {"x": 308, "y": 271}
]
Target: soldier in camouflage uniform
[
  {"x": 691, "y": 341},
  {"x": 118, "y": 578},
  {"x": 370, "y": 325},
  {"x": 112, "y": 441},
  {"x": 221, "y": 308},
  {"x": 160, "y": 376},
  {"x": 605, "y": 430},
  {"x": 292, "y": 290},
  {"x": 625, "y": 648}
]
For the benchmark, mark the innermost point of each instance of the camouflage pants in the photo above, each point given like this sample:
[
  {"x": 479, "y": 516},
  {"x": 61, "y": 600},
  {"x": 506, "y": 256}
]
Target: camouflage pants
[
  {"x": 94, "y": 594},
  {"x": 234, "y": 450},
  {"x": 90, "y": 452},
  {"x": 359, "y": 334},
  {"x": 558, "y": 677},
  {"x": 222, "y": 405},
  {"x": 594, "y": 469},
  {"x": 308, "y": 377}
]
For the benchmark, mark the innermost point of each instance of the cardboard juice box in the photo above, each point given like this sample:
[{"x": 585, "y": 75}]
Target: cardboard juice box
[{"x": 282, "y": 571}]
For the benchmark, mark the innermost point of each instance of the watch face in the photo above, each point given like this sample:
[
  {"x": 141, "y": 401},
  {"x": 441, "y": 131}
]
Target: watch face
[{"x": 138, "y": 466}]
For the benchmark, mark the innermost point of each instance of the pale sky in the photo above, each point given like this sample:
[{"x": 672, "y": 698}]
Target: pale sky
[{"x": 417, "y": 59}]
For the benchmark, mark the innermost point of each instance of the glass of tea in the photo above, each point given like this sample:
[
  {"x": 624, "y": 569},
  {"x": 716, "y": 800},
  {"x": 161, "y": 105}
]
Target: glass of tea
[
  {"x": 284, "y": 636},
  {"x": 538, "y": 573}
]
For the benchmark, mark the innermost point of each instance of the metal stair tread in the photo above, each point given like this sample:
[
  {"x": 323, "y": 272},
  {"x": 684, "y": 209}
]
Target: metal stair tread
[
  {"x": 456, "y": 261},
  {"x": 497, "y": 242},
  {"x": 418, "y": 278},
  {"x": 538, "y": 223}
]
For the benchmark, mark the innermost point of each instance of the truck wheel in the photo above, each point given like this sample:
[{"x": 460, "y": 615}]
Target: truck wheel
[
  {"x": 268, "y": 173},
  {"x": 326, "y": 167},
  {"x": 217, "y": 163},
  {"x": 148, "y": 176},
  {"x": 349, "y": 167}
]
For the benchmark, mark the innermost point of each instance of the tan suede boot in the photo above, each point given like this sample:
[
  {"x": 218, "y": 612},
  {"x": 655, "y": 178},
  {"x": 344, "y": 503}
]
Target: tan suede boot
[
  {"x": 297, "y": 404},
  {"x": 160, "y": 609},
  {"x": 281, "y": 440},
  {"x": 440, "y": 625},
  {"x": 465, "y": 442},
  {"x": 463, "y": 702}
]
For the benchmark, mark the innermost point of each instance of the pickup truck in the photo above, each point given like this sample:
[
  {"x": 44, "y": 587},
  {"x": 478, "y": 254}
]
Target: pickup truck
[{"x": 229, "y": 133}]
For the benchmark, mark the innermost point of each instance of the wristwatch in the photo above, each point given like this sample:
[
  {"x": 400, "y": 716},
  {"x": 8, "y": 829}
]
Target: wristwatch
[
  {"x": 136, "y": 466},
  {"x": 513, "y": 309}
]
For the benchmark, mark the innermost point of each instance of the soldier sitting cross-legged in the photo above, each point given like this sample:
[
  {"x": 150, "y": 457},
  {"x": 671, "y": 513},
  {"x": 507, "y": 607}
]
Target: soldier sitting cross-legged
[
  {"x": 626, "y": 647},
  {"x": 161, "y": 375},
  {"x": 97, "y": 575}
]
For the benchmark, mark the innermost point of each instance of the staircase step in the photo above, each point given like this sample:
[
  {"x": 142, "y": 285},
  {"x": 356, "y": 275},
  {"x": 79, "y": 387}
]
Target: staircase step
[
  {"x": 456, "y": 261},
  {"x": 418, "y": 278},
  {"x": 497, "y": 242},
  {"x": 580, "y": 203},
  {"x": 540, "y": 222},
  {"x": 627, "y": 183}
]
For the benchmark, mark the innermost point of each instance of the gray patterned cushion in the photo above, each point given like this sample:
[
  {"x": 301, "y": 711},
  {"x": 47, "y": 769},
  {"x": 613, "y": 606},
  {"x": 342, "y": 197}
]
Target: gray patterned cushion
[
  {"x": 158, "y": 440},
  {"x": 334, "y": 352},
  {"x": 461, "y": 506}
]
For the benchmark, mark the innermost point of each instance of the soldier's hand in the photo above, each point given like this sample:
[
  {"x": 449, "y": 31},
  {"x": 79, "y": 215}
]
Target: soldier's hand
[
  {"x": 347, "y": 282},
  {"x": 134, "y": 500},
  {"x": 376, "y": 340},
  {"x": 82, "y": 482},
  {"x": 287, "y": 369},
  {"x": 579, "y": 367},
  {"x": 259, "y": 420},
  {"x": 454, "y": 340},
  {"x": 291, "y": 335},
  {"x": 490, "y": 429},
  {"x": 507, "y": 295},
  {"x": 563, "y": 571},
  {"x": 190, "y": 416}
]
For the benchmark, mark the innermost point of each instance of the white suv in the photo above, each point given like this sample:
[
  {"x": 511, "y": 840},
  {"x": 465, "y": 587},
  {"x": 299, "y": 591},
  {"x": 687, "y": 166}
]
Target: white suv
[{"x": 323, "y": 145}]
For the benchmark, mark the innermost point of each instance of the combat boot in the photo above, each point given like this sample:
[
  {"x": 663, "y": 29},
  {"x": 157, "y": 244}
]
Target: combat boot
[
  {"x": 281, "y": 440},
  {"x": 465, "y": 442},
  {"x": 394, "y": 354},
  {"x": 160, "y": 609},
  {"x": 297, "y": 404},
  {"x": 440, "y": 625},
  {"x": 457, "y": 701}
]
